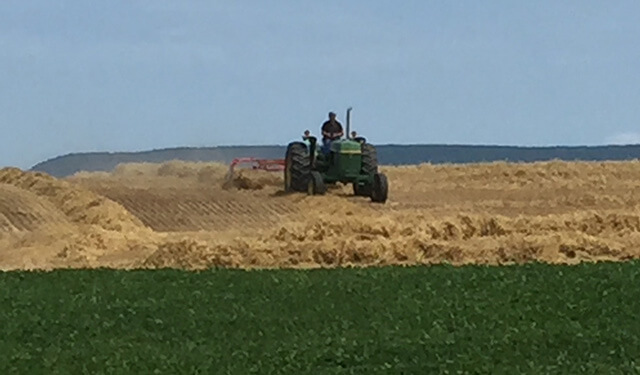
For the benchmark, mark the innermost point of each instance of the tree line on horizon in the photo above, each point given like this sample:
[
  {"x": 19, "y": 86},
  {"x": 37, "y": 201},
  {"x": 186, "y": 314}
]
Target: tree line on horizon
[{"x": 387, "y": 155}]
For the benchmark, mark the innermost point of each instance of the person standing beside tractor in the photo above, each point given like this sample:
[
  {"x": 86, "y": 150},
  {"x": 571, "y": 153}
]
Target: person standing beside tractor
[{"x": 331, "y": 130}]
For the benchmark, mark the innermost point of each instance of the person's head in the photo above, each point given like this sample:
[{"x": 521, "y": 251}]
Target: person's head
[{"x": 332, "y": 116}]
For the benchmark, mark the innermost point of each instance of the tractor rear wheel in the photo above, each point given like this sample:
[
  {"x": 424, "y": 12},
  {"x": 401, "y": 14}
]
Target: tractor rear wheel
[
  {"x": 369, "y": 159},
  {"x": 369, "y": 167},
  {"x": 316, "y": 185},
  {"x": 297, "y": 167},
  {"x": 380, "y": 188}
]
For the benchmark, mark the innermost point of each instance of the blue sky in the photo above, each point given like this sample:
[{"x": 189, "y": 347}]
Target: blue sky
[{"x": 130, "y": 75}]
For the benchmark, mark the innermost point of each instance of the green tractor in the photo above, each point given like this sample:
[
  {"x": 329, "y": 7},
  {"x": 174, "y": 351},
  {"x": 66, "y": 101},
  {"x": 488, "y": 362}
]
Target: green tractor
[{"x": 350, "y": 161}]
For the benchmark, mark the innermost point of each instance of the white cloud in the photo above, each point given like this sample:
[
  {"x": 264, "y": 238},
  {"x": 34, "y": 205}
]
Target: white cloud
[{"x": 624, "y": 138}]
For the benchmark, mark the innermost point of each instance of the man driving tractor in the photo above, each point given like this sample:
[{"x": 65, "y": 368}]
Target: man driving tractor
[{"x": 331, "y": 130}]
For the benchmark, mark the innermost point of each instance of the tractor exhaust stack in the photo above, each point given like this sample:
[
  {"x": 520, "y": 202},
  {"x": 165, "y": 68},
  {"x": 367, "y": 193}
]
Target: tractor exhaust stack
[{"x": 349, "y": 122}]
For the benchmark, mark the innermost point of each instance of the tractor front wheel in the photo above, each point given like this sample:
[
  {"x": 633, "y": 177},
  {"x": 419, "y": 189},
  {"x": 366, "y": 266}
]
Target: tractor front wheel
[
  {"x": 363, "y": 190},
  {"x": 316, "y": 185},
  {"x": 380, "y": 188}
]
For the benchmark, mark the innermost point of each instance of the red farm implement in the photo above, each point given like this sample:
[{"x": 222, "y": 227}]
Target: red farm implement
[{"x": 270, "y": 165}]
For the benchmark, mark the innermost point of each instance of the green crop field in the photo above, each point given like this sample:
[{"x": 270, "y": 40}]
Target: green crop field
[{"x": 535, "y": 319}]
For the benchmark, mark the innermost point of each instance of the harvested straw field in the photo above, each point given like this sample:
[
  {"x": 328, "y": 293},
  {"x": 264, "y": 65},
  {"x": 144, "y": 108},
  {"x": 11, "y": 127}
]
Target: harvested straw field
[{"x": 184, "y": 215}]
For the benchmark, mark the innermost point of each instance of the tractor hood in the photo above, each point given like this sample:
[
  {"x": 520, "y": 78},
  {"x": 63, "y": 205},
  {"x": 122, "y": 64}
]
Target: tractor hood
[{"x": 346, "y": 146}]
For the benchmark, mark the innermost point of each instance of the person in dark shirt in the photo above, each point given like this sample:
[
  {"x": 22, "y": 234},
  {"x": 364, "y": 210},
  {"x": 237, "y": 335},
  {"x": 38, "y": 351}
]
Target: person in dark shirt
[{"x": 331, "y": 130}]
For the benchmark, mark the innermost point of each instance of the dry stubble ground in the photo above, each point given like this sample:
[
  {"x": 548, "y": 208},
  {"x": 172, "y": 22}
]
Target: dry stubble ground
[{"x": 179, "y": 215}]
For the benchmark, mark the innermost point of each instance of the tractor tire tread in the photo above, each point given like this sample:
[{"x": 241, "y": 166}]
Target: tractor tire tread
[
  {"x": 298, "y": 157},
  {"x": 369, "y": 159}
]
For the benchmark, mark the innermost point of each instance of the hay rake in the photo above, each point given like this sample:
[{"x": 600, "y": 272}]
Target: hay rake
[{"x": 269, "y": 165}]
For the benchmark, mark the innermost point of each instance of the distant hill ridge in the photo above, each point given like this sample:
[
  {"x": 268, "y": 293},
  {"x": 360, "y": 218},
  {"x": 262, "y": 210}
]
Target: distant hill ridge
[{"x": 66, "y": 165}]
